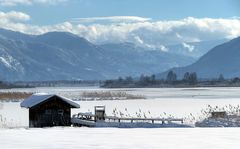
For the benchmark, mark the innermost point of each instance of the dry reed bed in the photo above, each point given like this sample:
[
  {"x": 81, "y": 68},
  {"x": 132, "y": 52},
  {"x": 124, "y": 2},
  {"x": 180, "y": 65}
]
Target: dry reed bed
[
  {"x": 14, "y": 95},
  {"x": 111, "y": 95}
]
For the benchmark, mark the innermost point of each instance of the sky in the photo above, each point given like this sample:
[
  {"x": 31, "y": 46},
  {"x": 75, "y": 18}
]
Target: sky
[{"x": 151, "y": 23}]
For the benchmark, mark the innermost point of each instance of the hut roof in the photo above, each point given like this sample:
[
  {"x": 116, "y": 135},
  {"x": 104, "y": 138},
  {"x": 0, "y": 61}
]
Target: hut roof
[{"x": 36, "y": 99}]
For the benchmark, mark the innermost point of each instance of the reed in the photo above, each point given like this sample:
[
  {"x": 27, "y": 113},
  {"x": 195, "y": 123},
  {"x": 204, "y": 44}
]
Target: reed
[
  {"x": 111, "y": 95},
  {"x": 14, "y": 95}
]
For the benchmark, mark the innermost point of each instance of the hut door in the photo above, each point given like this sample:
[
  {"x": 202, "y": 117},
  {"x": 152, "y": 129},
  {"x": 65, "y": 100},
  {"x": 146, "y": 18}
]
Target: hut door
[{"x": 58, "y": 117}]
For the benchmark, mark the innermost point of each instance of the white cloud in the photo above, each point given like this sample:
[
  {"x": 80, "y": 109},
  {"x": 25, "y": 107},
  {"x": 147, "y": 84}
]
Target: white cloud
[
  {"x": 142, "y": 31},
  {"x": 28, "y": 2},
  {"x": 14, "y": 20},
  {"x": 163, "y": 48},
  {"x": 13, "y": 16},
  {"x": 162, "y": 32},
  {"x": 48, "y": 1},
  {"x": 111, "y": 19}
]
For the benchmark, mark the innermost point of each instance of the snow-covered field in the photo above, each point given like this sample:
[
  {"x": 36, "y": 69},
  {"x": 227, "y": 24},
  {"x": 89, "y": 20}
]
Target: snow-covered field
[
  {"x": 178, "y": 102},
  {"x": 113, "y": 138}
]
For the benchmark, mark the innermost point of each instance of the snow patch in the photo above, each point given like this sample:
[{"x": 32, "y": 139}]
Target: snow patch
[
  {"x": 189, "y": 47},
  {"x": 5, "y": 62},
  {"x": 89, "y": 69},
  {"x": 41, "y": 93},
  {"x": 11, "y": 63},
  {"x": 163, "y": 48}
]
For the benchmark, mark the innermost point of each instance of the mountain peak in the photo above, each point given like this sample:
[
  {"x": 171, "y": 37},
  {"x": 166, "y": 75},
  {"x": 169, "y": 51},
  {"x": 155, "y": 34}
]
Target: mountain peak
[{"x": 222, "y": 59}]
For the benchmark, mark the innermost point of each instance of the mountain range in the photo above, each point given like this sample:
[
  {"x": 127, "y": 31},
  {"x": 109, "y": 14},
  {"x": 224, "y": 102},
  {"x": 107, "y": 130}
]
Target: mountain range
[{"x": 65, "y": 56}]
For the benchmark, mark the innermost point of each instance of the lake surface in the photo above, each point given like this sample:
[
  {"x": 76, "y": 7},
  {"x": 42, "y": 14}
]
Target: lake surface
[{"x": 160, "y": 102}]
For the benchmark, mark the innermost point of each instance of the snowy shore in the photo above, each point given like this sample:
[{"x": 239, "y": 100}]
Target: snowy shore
[{"x": 113, "y": 138}]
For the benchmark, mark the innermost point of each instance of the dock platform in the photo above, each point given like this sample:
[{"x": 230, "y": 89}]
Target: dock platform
[{"x": 90, "y": 120}]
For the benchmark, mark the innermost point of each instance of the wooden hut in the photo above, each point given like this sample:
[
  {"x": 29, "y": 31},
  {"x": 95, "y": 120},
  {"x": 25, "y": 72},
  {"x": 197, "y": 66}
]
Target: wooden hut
[{"x": 46, "y": 110}]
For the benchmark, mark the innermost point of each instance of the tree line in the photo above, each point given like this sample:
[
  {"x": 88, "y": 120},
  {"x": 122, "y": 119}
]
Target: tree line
[{"x": 189, "y": 79}]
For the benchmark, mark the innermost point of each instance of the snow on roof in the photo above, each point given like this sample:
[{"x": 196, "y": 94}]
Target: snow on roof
[
  {"x": 39, "y": 98},
  {"x": 86, "y": 114}
]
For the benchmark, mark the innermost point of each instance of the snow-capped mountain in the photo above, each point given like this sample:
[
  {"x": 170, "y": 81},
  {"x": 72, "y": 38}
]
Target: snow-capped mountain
[
  {"x": 222, "y": 59},
  {"x": 61, "y": 55}
]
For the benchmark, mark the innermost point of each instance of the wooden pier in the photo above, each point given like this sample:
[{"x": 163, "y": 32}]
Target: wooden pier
[
  {"x": 100, "y": 119},
  {"x": 89, "y": 120}
]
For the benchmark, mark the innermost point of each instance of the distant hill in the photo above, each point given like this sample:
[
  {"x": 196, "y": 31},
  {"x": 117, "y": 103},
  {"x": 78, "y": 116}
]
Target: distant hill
[
  {"x": 65, "y": 56},
  {"x": 138, "y": 60},
  {"x": 222, "y": 59}
]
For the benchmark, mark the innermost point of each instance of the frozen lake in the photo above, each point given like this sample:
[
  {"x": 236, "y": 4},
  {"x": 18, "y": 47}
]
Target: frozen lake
[
  {"x": 160, "y": 102},
  {"x": 152, "y": 93}
]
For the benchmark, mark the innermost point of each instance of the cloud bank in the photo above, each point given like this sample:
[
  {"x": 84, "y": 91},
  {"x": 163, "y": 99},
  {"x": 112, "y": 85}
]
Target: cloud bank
[
  {"x": 28, "y": 2},
  {"x": 141, "y": 31},
  {"x": 110, "y": 19}
]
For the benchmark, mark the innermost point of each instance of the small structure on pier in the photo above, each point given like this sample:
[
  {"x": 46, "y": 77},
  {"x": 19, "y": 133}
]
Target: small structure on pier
[
  {"x": 99, "y": 113},
  {"x": 46, "y": 110}
]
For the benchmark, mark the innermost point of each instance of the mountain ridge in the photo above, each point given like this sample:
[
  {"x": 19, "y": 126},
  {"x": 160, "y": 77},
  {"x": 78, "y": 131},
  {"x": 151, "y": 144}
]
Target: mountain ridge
[
  {"x": 65, "y": 56},
  {"x": 222, "y": 59}
]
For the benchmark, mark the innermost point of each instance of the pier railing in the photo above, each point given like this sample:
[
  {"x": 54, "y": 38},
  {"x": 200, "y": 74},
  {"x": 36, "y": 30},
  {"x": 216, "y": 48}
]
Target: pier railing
[
  {"x": 91, "y": 117},
  {"x": 152, "y": 120}
]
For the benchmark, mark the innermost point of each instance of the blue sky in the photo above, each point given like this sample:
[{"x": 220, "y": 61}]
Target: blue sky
[
  {"x": 43, "y": 14},
  {"x": 148, "y": 23}
]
